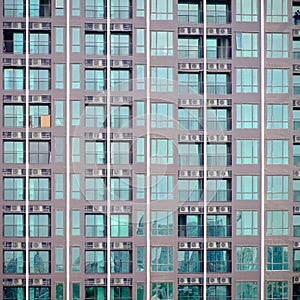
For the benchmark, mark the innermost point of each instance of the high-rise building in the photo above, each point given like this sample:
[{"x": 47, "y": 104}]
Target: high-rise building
[{"x": 150, "y": 149}]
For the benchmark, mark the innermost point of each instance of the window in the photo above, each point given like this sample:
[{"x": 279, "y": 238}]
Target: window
[
  {"x": 59, "y": 76},
  {"x": 120, "y": 189},
  {"x": 13, "y": 152},
  {"x": 296, "y": 260},
  {"x": 189, "y": 190},
  {"x": 189, "y": 261},
  {"x": 162, "y": 43},
  {"x": 94, "y": 80},
  {"x": 39, "y": 152},
  {"x": 14, "y": 8},
  {"x": 186, "y": 292},
  {"x": 59, "y": 222},
  {"x": 217, "y": 13},
  {"x": 296, "y": 84},
  {"x": 120, "y": 9},
  {"x": 277, "y": 116},
  {"x": 13, "y": 225},
  {"x": 162, "y": 151},
  {"x": 140, "y": 186},
  {"x": 13, "y": 79},
  {"x": 296, "y": 190},
  {"x": 246, "y": 44},
  {"x": 95, "y": 116},
  {"x": 13, "y": 116},
  {"x": 140, "y": 150},
  {"x": 246, "y": 10},
  {"x": 247, "y": 290},
  {"x": 246, "y": 116},
  {"x": 94, "y": 152},
  {"x": 13, "y": 189},
  {"x": 277, "y": 45},
  {"x": 39, "y": 225},
  {"x": 218, "y": 84},
  {"x": 94, "y": 189},
  {"x": 39, "y": 43},
  {"x": 38, "y": 292},
  {"x": 247, "y": 187},
  {"x": 39, "y": 80},
  {"x": 296, "y": 154},
  {"x": 189, "y": 12},
  {"x": 218, "y": 190},
  {"x": 75, "y": 222},
  {"x": 119, "y": 293},
  {"x": 120, "y": 80},
  {"x": 218, "y": 225},
  {"x": 218, "y": 261},
  {"x": 94, "y": 292},
  {"x": 277, "y": 152},
  {"x": 39, "y": 189},
  {"x": 14, "y": 293},
  {"x": 189, "y": 225},
  {"x": 59, "y": 186},
  {"x": 40, "y": 8},
  {"x": 247, "y": 223},
  {"x": 140, "y": 40},
  {"x": 277, "y": 258},
  {"x": 120, "y": 225},
  {"x": 140, "y": 78},
  {"x": 161, "y": 259},
  {"x": 277, "y": 188},
  {"x": 277, "y": 81},
  {"x": 247, "y": 152},
  {"x": 189, "y": 83},
  {"x": 75, "y": 146},
  {"x": 296, "y": 49},
  {"x": 296, "y": 225},
  {"x": 59, "y": 113},
  {"x": 140, "y": 259},
  {"x": 121, "y": 262},
  {"x": 277, "y": 290},
  {"x": 94, "y": 225},
  {"x": 246, "y": 80},
  {"x": 120, "y": 44},
  {"x": 37, "y": 112},
  {"x": 218, "y": 119},
  {"x": 162, "y": 79},
  {"x": 59, "y": 149},
  {"x": 140, "y": 216},
  {"x": 75, "y": 7},
  {"x": 94, "y": 9},
  {"x": 247, "y": 258},
  {"x": 75, "y": 75},
  {"x": 76, "y": 186},
  {"x": 189, "y": 118},
  {"x": 162, "y": 187},
  {"x": 277, "y": 12},
  {"x": 120, "y": 153},
  {"x": 94, "y": 262},
  {"x": 75, "y": 264},
  {"x": 162, "y": 290},
  {"x": 218, "y": 48},
  {"x": 161, "y": 10},
  {"x": 162, "y": 223},
  {"x": 59, "y": 39},
  {"x": 189, "y": 154},
  {"x": 120, "y": 117},
  {"x": 218, "y": 155},
  {"x": 13, "y": 42},
  {"x": 162, "y": 115},
  {"x": 59, "y": 259},
  {"x": 13, "y": 262},
  {"x": 94, "y": 44},
  {"x": 75, "y": 39},
  {"x": 189, "y": 48},
  {"x": 140, "y": 8},
  {"x": 296, "y": 119},
  {"x": 277, "y": 223},
  {"x": 39, "y": 262}
]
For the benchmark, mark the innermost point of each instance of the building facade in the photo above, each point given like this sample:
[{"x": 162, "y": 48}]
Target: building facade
[{"x": 150, "y": 149}]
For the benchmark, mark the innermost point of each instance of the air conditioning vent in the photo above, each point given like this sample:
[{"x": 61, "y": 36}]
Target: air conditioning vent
[
  {"x": 212, "y": 209},
  {"x": 212, "y": 245},
  {"x": 97, "y": 245},
  {"x": 37, "y": 98},
  {"x": 37, "y": 246},
  {"x": 183, "y": 30},
  {"x": 17, "y": 98},
  {"x": 184, "y": 66},
  {"x": 224, "y": 209},
  {"x": 183, "y": 173},
  {"x": 212, "y": 280},
  {"x": 224, "y": 245},
  {"x": 118, "y": 27},
  {"x": 183, "y": 280},
  {"x": 195, "y": 31},
  {"x": 17, "y": 281},
  {"x": 17, "y": 245},
  {"x": 37, "y": 281},
  {"x": 37, "y": 25},
  {"x": 296, "y": 244},
  {"x": 195, "y": 66},
  {"x": 296, "y": 280},
  {"x": 184, "y": 209},
  {"x": 212, "y": 102},
  {"x": 183, "y": 245},
  {"x": 99, "y": 281},
  {"x": 296, "y": 209},
  {"x": 97, "y": 27},
  {"x": 212, "y": 174},
  {"x": 212, "y": 31},
  {"x": 223, "y": 31},
  {"x": 224, "y": 280},
  {"x": 17, "y": 172}
]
